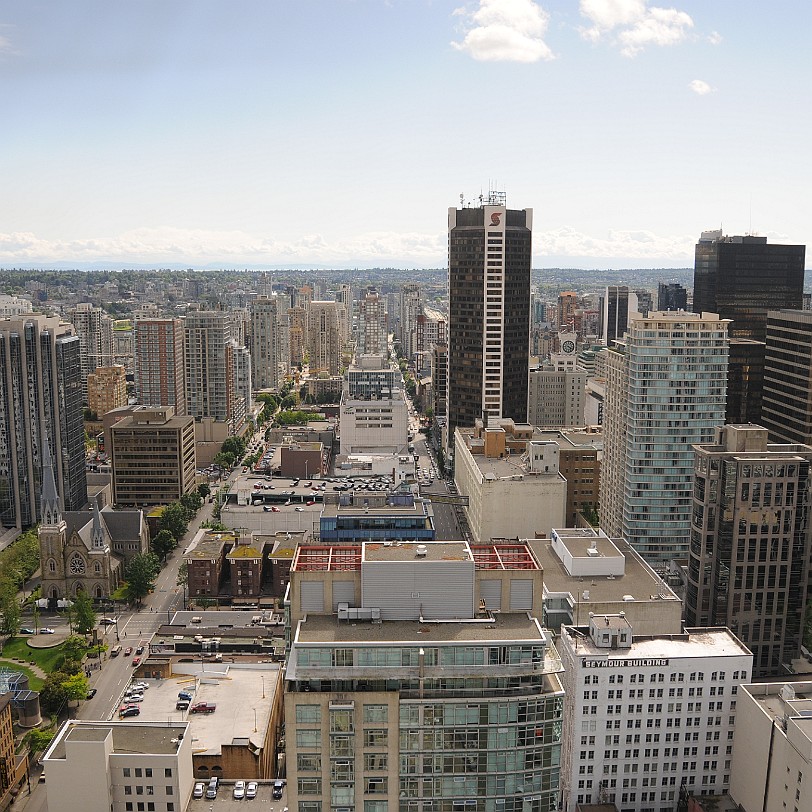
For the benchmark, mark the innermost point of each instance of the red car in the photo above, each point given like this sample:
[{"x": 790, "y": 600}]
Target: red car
[
  {"x": 128, "y": 651},
  {"x": 311, "y": 502},
  {"x": 136, "y": 662}
]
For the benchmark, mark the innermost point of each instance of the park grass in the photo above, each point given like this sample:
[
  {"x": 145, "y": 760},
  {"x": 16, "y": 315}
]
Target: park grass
[
  {"x": 35, "y": 683},
  {"x": 18, "y": 649}
]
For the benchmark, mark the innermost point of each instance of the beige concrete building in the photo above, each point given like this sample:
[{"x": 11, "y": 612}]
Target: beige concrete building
[
  {"x": 106, "y": 389},
  {"x": 324, "y": 337},
  {"x": 586, "y": 572},
  {"x": 515, "y": 490},
  {"x": 153, "y": 457},
  {"x": 119, "y": 767},
  {"x": 772, "y": 748}
]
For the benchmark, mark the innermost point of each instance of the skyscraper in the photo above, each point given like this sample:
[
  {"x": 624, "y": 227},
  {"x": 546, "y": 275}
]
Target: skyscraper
[
  {"x": 786, "y": 409},
  {"x": 218, "y": 370},
  {"x": 411, "y": 306},
  {"x": 160, "y": 376},
  {"x": 95, "y": 330},
  {"x": 671, "y": 296},
  {"x": 751, "y": 539},
  {"x": 372, "y": 336},
  {"x": 40, "y": 395},
  {"x": 617, "y": 303},
  {"x": 324, "y": 337},
  {"x": 265, "y": 354},
  {"x": 741, "y": 278},
  {"x": 489, "y": 258},
  {"x": 665, "y": 391}
]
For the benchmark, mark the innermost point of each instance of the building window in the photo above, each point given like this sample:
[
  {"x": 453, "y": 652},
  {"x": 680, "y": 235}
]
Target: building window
[
  {"x": 376, "y": 713},
  {"x": 375, "y": 738},
  {"x": 168, "y": 772},
  {"x": 308, "y": 714}
]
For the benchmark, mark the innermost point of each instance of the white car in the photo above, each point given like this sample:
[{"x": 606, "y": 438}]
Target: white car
[
  {"x": 239, "y": 790},
  {"x": 200, "y": 788},
  {"x": 251, "y": 789}
]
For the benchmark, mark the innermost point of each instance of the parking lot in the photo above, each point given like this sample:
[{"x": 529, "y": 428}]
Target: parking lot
[{"x": 225, "y": 801}]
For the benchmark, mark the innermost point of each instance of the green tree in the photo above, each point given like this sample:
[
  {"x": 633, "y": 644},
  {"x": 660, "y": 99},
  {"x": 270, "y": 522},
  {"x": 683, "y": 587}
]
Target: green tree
[
  {"x": 224, "y": 460},
  {"x": 53, "y": 694},
  {"x": 74, "y": 648},
  {"x": 141, "y": 573},
  {"x": 75, "y": 686},
  {"x": 39, "y": 739},
  {"x": 204, "y": 490},
  {"x": 163, "y": 544},
  {"x": 174, "y": 519},
  {"x": 234, "y": 446},
  {"x": 84, "y": 615},
  {"x": 191, "y": 503},
  {"x": 10, "y": 618}
]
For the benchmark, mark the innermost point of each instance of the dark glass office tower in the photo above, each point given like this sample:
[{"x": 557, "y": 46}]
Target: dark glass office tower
[
  {"x": 741, "y": 278},
  {"x": 671, "y": 296},
  {"x": 40, "y": 395},
  {"x": 489, "y": 257}
]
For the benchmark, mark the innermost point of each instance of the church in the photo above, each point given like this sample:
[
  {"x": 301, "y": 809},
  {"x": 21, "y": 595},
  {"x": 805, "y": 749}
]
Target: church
[{"x": 85, "y": 550}]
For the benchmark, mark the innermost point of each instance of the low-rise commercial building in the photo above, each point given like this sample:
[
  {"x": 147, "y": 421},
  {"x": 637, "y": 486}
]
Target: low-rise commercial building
[
  {"x": 772, "y": 748},
  {"x": 586, "y": 572},
  {"x": 119, "y": 767},
  {"x": 515, "y": 489},
  {"x": 375, "y": 424}
]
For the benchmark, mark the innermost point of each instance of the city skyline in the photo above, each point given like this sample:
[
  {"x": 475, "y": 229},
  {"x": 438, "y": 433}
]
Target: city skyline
[{"x": 336, "y": 135}]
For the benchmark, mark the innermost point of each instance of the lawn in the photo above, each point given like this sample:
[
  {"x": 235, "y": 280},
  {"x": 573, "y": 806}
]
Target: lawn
[
  {"x": 35, "y": 683},
  {"x": 18, "y": 649}
]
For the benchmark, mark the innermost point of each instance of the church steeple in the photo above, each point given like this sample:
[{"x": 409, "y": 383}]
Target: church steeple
[
  {"x": 49, "y": 498},
  {"x": 97, "y": 534}
]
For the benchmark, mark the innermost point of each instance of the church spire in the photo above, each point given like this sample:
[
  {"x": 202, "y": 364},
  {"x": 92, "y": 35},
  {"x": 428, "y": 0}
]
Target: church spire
[
  {"x": 97, "y": 534},
  {"x": 49, "y": 498}
]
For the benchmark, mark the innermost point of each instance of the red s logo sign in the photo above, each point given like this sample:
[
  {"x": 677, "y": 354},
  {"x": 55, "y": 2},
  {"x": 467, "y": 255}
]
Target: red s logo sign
[{"x": 495, "y": 218}]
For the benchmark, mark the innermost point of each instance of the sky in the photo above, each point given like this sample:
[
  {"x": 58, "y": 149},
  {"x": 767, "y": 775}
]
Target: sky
[{"x": 337, "y": 133}]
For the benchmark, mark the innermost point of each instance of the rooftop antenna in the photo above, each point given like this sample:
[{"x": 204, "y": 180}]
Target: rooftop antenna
[{"x": 462, "y": 200}]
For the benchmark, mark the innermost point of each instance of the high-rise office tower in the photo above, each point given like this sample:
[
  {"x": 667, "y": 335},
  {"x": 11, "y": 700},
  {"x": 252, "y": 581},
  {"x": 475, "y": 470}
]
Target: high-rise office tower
[
  {"x": 671, "y": 296},
  {"x": 751, "y": 540},
  {"x": 565, "y": 310},
  {"x": 665, "y": 391},
  {"x": 741, "y": 278},
  {"x": 40, "y": 396},
  {"x": 265, "y": 342},
  {"x": 411, "y": 306},
  {"x": 218, "y": 370},
  {"x": 95, "y": 330},
  {"x": 617, "y": 303},
  {"x": 786, "y": 409},
  {"x": 297, "y": 329},
  {"x": 372, "y": 336},
  {"x": 324, "y": 337},
  {"x": 489, "y": 258},
  {"x": 439, "y": 379},
  {"x": 344, "y": 296},
  {"x": 160, "y": 370}
]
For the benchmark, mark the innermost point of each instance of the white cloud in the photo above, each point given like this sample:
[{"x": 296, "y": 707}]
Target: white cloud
[
  {"x": 714, "y": 38},
  {"x": 634, "y": 25},
  {"x": 701, "y": 88},
  {"x": 197, "y": 248},
  {"x": 505, "y": 31}
]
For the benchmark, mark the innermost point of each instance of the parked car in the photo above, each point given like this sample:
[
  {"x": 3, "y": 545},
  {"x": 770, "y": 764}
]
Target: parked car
[
  {"x": 203, "y": 707},
  {"x": 107, "y": 621},
  {"x": 128, "y": 651},
  {"x": 200, "y": 789},
  {"x": 139, "y": 686},
  {"x": 46, "y": 630},
  {"x": 299, "y": 509},
  {"x": 26, "y": 630},
  {"x": 251, "y": 789},
  {"x": 135, "y": 697},
  {"x": 91, "y": 693},
  {"x": 125, "y": 712},
  {"x": 136, "y": 662},
  {"x": 139, "y": 650},
  {"x": 276, "y": 793},
  {"x": 185, "y": 695},
  {"x": 182, "y": 705},
  {"x": 239, "y": 790}
]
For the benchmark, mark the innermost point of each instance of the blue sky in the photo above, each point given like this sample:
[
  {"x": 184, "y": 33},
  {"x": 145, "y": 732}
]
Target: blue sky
[{"x": 336, "y": 133}]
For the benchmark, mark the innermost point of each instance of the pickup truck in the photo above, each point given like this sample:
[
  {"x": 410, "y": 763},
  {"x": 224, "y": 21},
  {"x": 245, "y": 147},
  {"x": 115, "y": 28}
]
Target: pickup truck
[{"x": 203, "y": 707}]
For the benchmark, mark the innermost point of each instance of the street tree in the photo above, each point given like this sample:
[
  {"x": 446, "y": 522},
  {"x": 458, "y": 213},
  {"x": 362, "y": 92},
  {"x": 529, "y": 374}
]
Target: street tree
[
  {"x": 84, "y": 615},
  {"x": 9, "y": 615},
  {"x": 191, "y": 503},
  {"x": 234, "y": 446},
  {"x": 204, "y": 490},
  {"x": 163, "y": 544},
  {"x": 174, "y": 519},
  {"x": 75, "y": 687},
  {"x": 141, "y": 573}
]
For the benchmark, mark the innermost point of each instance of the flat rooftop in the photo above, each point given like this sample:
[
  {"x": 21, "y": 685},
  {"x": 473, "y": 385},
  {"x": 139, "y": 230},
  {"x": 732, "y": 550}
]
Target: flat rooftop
[
  {"x": 239, "y": 693},
  {"x": 797, "y": 706},
  {"x": 408, "y": 551},
  {"x": 210, "y": 544},
  {"x": 695, "y": 643},
  {"x": 128, "y": 737},
  {"x": 375, "y": 506},
  {"x": 638, "y": 580},
  {"x": 508, "y": 626}
]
